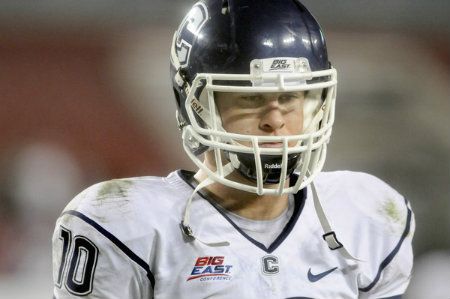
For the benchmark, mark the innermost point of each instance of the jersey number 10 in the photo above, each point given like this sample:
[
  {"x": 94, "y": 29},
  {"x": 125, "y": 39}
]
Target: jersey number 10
[{"x": 79, "y": 255}]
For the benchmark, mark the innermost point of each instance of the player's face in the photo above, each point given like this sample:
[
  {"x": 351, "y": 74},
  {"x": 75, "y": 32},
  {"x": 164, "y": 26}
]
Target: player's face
[{"x": 262, "y": 114}]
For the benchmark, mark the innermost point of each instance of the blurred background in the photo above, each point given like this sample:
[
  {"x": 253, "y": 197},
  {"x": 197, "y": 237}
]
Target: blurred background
[{"x": 85, "y": 96}]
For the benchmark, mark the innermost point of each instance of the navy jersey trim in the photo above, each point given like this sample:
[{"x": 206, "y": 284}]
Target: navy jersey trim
[
  {"x": 116, "y": 242},
  {"x": 299, "y": 203},
  {"x": 391, "y": 256}
]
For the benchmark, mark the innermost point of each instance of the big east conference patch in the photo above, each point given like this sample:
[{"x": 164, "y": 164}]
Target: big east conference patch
[{"x": 210, "y": 268}]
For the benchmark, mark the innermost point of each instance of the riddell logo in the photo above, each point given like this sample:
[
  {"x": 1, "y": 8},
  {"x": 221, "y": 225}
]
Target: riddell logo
[
  {"x": 279, "y": 64},
  {"x": 210, "y": 268},
  {"x": 272, "y": 166},
  {"x": 196, "y": 106}
]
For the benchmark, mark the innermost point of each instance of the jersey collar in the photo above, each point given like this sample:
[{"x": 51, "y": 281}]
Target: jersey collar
[{"x": 299, "y": 203}]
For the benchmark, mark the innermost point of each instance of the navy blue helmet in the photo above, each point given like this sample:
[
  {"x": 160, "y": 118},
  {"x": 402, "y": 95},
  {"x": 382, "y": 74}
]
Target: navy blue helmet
[{"x": 252, "y": 46}]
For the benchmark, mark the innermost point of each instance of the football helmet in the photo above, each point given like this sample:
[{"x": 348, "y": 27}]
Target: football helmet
[{"x": 254, "y": 46}]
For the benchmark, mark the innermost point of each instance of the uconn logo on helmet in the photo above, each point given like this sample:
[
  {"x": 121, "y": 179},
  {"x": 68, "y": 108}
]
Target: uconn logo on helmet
[{"x": 189, "y": 31}]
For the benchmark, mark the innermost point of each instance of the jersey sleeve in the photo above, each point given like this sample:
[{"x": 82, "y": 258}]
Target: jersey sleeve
[
  {"x": 391, "y": 270},
  {"x": 92, "y": 259},
  {"x": 394, "y": 272}
]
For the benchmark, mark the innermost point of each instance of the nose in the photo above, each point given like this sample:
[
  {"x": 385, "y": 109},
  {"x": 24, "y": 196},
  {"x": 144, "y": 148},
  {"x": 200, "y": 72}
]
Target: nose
[{"x": 272, "y": 118}]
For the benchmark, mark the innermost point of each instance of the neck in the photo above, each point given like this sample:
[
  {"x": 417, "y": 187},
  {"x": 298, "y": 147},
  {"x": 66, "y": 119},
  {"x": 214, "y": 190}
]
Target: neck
[{"x": 245, "y": 204}]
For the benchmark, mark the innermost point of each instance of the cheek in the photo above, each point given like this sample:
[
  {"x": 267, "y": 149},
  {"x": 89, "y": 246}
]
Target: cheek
[
  {"x": 294, "y": 122},
  {"x": 238, "y": 122},
  {"x": 240, "y": 126}
]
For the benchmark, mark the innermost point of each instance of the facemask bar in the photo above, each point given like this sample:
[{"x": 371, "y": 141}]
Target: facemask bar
[{"x": 311, "y": 145}]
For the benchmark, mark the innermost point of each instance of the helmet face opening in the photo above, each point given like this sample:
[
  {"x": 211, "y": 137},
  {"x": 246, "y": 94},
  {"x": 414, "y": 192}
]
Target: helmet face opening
[{"x": 295, "y": 62}]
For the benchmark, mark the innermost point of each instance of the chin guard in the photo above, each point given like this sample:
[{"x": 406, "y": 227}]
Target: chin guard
[{"x": 271, "y": 166}]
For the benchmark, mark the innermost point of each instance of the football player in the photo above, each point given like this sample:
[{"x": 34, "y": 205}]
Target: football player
[{"x": 256, "y": 96}]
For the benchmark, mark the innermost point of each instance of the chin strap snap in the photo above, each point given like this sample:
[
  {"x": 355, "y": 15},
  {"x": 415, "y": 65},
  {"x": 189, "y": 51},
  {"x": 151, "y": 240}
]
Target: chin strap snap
[{"x": 329, "y": 235}]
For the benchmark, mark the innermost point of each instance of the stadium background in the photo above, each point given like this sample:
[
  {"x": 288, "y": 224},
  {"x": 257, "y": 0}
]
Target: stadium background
[{"x": 85, "y": 96}]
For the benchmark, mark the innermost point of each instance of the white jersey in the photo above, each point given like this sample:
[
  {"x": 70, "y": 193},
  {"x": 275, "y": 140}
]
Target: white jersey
[{"x": 122, "y": 239}]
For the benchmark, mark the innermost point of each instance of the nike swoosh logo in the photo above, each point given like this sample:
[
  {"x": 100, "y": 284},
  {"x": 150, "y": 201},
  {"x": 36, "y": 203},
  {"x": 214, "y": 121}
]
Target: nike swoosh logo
[{"x": 316, "y": 277}]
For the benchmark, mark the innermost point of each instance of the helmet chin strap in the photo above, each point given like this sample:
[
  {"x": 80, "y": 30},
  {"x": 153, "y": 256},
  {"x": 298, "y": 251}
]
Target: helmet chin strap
[
  {"x": 329, "y": 235},
  {"x": 185, "y": 227}
]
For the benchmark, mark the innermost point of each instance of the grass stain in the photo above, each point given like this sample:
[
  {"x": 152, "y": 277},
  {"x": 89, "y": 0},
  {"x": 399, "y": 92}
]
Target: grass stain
[{"x": 392, "y": 211}]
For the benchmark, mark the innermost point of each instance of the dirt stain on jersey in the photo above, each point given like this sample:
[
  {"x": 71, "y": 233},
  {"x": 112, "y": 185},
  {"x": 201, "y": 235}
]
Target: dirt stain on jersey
[{"x": 114, "y": 189}]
